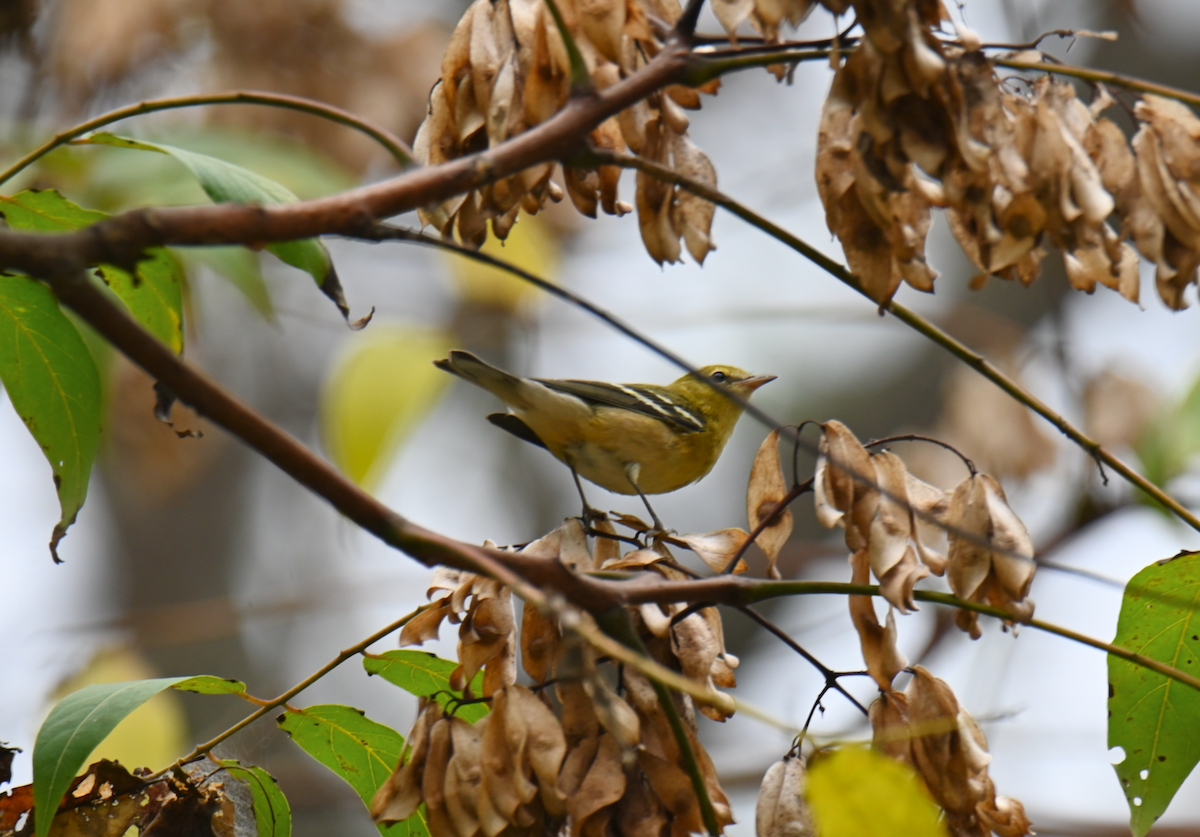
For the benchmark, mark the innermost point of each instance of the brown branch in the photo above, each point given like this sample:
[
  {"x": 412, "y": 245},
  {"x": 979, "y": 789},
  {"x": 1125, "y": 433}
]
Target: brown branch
[{"x": 121, "y": 239}]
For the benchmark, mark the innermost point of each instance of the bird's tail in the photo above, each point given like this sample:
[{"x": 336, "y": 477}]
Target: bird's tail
[{"x": 505, "y": 386}]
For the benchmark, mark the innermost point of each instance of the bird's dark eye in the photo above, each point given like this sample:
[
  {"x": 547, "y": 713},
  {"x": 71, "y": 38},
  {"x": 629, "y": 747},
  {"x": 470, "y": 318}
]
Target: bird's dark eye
[{"x": 719, "y": 377}]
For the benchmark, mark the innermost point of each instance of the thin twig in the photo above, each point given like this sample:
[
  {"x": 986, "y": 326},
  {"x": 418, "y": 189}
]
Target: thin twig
[
  {"x": 1101, "y": 77},
  {"x": 395, "y": 146},
  {"x": 268, "y": 705},
  {"x": 795, "y": 491},
  {"x": 831, "y": 676},
  {"x": 916, "y": 437}
]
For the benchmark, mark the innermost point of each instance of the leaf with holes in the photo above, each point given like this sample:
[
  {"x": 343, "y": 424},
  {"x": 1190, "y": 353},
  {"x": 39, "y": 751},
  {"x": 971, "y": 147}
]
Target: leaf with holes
[
  {"x": 1153, "y": 718},
  {"x": 154, "y": 296},
  {"x": 421, "y": 673},
  {"x": 272, "y": 814},
  {"x": 362, "y": 752},
  {"x": 54, "y": 386},
  {"x": 225, "y": 182}
]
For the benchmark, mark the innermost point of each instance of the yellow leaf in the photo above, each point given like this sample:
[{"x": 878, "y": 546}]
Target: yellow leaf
[
  {"x": 530, "y": 245},
  {"x": 382, "y": 386},
  {"x": 856, "y": 792}
]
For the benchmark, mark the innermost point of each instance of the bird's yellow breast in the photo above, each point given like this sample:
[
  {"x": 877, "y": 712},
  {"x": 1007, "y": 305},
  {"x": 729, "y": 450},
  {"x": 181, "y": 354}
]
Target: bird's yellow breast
[{"x": 601, "y": 447}]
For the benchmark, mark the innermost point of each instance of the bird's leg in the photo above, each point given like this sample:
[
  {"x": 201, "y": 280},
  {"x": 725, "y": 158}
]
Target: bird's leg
[
  {"x": 589, "y": 515},
  {"x": 632, "y": 471}
]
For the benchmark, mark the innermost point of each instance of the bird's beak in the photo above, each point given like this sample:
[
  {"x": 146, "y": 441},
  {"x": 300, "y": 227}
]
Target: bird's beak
[{"x": 751, "y": 384}]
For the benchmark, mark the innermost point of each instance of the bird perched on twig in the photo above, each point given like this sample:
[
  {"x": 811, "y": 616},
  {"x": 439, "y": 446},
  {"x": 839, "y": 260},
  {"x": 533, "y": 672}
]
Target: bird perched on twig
[{"x": 628, "y": 438}]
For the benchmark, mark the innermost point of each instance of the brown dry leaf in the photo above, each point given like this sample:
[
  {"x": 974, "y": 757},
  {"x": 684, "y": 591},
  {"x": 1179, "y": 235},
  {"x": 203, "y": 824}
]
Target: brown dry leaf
[
  {"x": 949, "y": 751},
  {"x": 716, "y": 549},
  {"x": 433, "y": 780},
  {"x": 880, "y": 651},
  {"x": 640, "y": 813},
  {"x": 782, "y": 809},
  {"x": 487, "y": 636},
  {"x": 892, "y": 535},
  {"x": 843, "y": 484},
  {"x": 891, "y": 733},
  {"x": 542, "y": 743},
  {"x": 692, "y": 216},
  {"x": 400, "y": 795},
  {"x": 637, "y": 559},
  {"x": 606, "y": 549},
  {"x": 503, "y": 783},
  {"x": 425, "y": 625},
  {"x": 603, "y": 785},
  {"x": 674, "y": 789},
  {"x": 767, "y": 489},
  {"x": 697, "y": 644},
  {"x": 540, "y": 639},
  {"x": 611, "y": 710},
  {"x": 990, "y": 558},
  {"x": 463, "y": 777}
]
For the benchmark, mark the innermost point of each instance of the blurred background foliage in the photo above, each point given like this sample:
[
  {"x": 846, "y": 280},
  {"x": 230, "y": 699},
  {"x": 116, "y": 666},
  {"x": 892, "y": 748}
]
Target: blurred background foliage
[{"x": 195, "y": 557}]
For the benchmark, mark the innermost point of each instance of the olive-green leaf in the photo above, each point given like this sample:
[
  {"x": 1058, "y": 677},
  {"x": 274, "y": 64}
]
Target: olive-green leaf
[
  {"x": 72, "y": 730},
  {"x": 154, "y": 296},
  {"x": 54, "y": 386},
  {"x": 360, "y": 751},
  {"x": 421, "y": 673},
  {"x": 1151, "y": 717},
  {"x": 272, "y": 814},
  {"x": 206, "y": 684},
  {"x": 858, "y": 792},
  {"x": 226, "y": 182}
]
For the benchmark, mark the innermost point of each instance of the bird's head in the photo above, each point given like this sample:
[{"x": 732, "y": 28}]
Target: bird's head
[{"x": 714, "y": 405}]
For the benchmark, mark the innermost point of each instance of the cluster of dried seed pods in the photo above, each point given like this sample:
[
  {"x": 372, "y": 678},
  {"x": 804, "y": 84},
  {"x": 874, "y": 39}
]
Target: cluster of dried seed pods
[
  {"x": 915, "y": 121},
  {"x": 509, "y": 68},
  {"x": 879, "y": 504},
  {"x": 591, "y": 749}
]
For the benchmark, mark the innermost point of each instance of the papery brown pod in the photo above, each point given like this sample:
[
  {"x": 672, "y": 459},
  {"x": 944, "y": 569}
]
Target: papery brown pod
[
  {"x": 766, "y": 490},
  {"x": 397, "y": 799},
  {"x": 990, "y": 558},
  {"x": 782, "y": 809}
]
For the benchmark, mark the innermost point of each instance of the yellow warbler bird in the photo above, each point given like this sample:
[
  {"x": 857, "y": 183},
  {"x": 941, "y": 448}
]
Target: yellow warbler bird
[{"x": 628, "y": 438}]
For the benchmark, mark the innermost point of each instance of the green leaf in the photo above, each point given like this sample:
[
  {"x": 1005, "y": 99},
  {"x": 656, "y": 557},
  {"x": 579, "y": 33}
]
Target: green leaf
[
  {"x": 46, "y": 211},
  {"x": 226, "y": 182},
  {"x": 72, "y": 730},
  {"x": 272, "y": 814},
  {"x": 54, "y": 387},
  {"x": 154, "y": 297},
  {"x": 378, "y": 392},
  {"x": 421, "y": 673},
  {"x": 206, "y": 684},
  {"x": 362, "y": 752},
  {"x": 1151, "y": 717},
  {"x": 857, "y": 792}
]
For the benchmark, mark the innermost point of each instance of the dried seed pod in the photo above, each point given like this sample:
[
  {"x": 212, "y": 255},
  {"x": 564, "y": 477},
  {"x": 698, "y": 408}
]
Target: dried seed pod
[{"x": 767, "y": 489}]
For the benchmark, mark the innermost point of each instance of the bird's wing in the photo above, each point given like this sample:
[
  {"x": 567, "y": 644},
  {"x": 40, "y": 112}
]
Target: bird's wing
[
  {"x": 651, "y": 401},
  {"x": 514, "y": 425}
]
